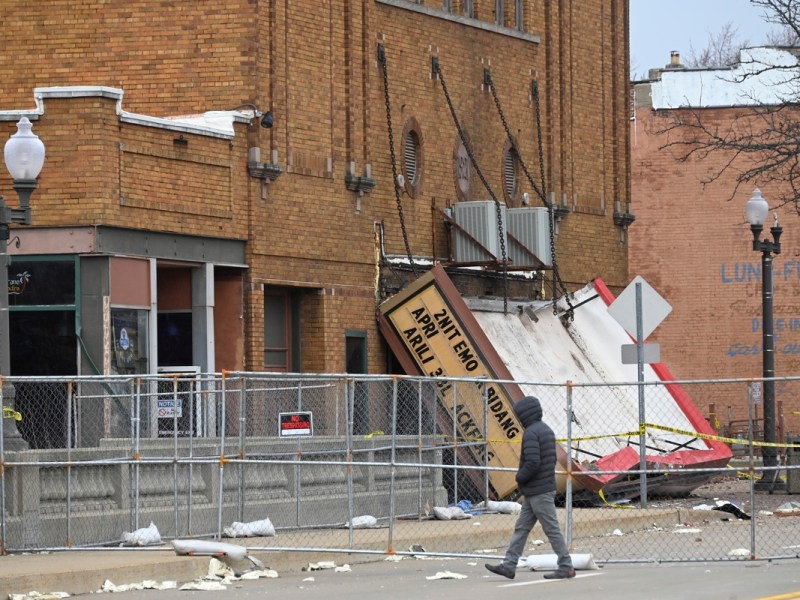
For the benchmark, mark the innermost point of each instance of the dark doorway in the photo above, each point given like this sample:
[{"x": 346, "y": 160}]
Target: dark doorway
[
  {"x": 174, "y": 339},
  {"x": 179, "y": 407},
  {"x": 356, "y": 363}
]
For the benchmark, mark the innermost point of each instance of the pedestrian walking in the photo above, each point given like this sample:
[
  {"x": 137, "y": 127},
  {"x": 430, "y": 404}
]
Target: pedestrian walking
[{"x": 536, "y": 480}]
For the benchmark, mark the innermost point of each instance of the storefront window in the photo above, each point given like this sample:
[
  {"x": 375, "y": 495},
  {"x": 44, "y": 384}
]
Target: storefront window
[
  {"x": 130, "y": 341},
  {"x": 39, "y": 283}
]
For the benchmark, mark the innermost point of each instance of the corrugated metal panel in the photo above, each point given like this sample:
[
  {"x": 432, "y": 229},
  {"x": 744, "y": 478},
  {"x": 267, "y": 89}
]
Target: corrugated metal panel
[
  {"x": 479, "y": 219},
  {"x": 531, "y": 227}
]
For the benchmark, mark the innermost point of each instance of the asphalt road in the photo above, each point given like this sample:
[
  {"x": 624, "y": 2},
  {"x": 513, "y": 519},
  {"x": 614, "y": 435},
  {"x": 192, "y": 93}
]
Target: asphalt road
[{"x": 408, "y": 579}]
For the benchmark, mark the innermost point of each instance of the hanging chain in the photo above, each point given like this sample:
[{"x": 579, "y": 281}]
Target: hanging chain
[
  {"x": 382, "y": 60},
  {"x": 487, "y": 77},
  {"x": 438, "y": 71},
  {"x": 541, "y": 191},
  {"x": 551, "y": 210}
]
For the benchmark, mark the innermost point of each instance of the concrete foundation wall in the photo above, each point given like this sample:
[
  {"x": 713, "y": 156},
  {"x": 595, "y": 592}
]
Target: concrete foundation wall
[{"x": 102, "y": 493}]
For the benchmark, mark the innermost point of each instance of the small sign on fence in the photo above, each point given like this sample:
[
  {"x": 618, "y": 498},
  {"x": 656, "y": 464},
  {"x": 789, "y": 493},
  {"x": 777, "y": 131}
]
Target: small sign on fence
[
  {"x": 295, "y": 423},
  {"x": 756, "y": 392},
  {"x": 167, "y": 409}
]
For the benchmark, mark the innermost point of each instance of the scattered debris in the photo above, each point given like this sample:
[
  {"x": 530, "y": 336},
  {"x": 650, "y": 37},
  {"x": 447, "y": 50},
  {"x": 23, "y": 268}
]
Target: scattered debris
[
  {"x": 684, "y": 529},
  {"x": 545, "y": 562},
  {"x": 219, "y": 570},
  {"x": 309, "y": 579},
  {"x": 616, "y": 532},
  {"x": 450, "y": 513},
  {"x": 219, "y": 549},
  {"x": 446, "y": 575},
  {"x": 504, "y": 507},
  {"x": 206, "y": 548},
  {"x": 261, "y": 528},
  {"x": 394, "y": 558},
  {"x": 731, "y": 508},
  {"x": 739, "y": 552},
  {"x": 109, "y": 586},
  {"x": 38, "y": 596},
  {"x": 362, "y": 522},
  {"x": 343, "y": 569},
  {"x": 259, "y": 574},
  {"x": 142, "y": 537},
  {"x": 788, "y": 508},
  {"x": 321, "y": 565},
  {"x": 206, "y": 586}
]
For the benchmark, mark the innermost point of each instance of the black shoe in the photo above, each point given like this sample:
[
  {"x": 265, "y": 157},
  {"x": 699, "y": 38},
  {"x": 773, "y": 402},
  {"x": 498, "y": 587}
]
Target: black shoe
[
  {"x": 503, "y": 570},
  {"x": 561, "y": 574}
]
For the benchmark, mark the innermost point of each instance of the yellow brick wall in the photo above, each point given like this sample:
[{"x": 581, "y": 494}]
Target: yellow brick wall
[{"x": 314, "y": 65}]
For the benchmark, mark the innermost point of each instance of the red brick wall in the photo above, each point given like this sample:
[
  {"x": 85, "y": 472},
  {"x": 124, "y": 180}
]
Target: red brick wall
[{"x": 691, "y": 242}]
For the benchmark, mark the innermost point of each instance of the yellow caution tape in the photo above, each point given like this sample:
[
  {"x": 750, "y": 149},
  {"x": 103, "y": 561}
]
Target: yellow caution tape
[
  {"x": 642, "y": 430},
  {"x": 10, "y": 413},
  {"x": 718, "y": 438}
]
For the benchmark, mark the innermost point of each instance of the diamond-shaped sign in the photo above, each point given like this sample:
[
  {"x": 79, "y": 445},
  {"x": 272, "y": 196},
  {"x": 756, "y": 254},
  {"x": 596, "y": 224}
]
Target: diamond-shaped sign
[{"x": 654, "y": 308}]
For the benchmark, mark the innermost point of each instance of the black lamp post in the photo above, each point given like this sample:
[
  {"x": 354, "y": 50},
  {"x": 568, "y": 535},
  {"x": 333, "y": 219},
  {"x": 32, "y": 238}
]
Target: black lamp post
[
  {"x": 757, "y": 211},
  {"x": 24, "y": 157}
]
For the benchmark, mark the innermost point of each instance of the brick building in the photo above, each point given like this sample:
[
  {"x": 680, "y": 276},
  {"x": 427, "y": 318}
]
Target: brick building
[
  {"x": 691, "y": 240},
  {"x": 219, "y": 184}
]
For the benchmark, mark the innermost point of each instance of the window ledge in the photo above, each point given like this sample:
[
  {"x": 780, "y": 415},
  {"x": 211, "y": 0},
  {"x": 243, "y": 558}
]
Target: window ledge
[{"x": 469, "y": 22}]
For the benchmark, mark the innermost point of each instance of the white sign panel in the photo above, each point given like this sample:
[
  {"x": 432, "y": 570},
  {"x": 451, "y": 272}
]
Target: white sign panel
[
  {"x": 654, "y": 308},
  {"x": 651, "y": 353}
]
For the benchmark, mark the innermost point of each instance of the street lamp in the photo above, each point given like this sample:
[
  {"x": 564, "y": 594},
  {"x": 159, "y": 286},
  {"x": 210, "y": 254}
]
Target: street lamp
[
  {"x": 24, "y": 157},
  {"x": 757, "y": 211}
]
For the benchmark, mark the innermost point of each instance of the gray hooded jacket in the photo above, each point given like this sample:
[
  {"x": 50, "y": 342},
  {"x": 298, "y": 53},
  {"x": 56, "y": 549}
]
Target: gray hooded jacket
[{"x": 537, "y": 461}]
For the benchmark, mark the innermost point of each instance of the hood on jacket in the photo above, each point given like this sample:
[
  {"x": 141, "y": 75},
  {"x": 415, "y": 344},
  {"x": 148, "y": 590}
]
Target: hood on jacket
[{"x": 528, "y": 410}]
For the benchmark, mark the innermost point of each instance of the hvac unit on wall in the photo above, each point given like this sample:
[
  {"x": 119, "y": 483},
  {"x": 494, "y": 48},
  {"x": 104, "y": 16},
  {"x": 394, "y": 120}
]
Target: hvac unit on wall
[
  {"x": 529, "y": 236},
  {"x": 476, "y": 237}
]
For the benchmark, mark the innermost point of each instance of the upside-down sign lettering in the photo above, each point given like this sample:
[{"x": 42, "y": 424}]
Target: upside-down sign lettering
[{"x": 433, "y": 333}]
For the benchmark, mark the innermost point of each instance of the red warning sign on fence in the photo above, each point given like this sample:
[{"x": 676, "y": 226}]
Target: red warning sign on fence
[{"x": 295, "y": 423}]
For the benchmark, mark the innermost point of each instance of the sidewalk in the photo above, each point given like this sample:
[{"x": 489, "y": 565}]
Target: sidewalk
[{"x": 85, "y": 571}]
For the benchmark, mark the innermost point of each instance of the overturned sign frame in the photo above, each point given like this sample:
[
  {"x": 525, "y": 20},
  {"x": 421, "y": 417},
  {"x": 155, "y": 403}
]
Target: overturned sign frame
[{"x": 432, "y": 332}]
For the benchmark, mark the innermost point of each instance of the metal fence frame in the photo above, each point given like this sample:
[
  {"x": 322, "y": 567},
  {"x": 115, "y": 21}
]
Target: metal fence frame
[{"x": 398, "y": 473}]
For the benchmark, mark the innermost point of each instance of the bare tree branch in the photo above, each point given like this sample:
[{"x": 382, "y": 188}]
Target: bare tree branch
[{"x": 761, "y": 144}]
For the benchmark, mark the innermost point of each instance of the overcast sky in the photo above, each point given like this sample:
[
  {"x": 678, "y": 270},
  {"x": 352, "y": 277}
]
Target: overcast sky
[{"x": 661, "y": 26}]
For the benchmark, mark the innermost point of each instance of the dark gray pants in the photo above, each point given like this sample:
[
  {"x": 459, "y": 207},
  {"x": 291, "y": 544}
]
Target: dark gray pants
[{"x": 539, "y": 508}]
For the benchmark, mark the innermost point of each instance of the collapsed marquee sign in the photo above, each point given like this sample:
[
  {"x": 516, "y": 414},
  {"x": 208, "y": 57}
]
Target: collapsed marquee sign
[{"x": 433, "y": 333}]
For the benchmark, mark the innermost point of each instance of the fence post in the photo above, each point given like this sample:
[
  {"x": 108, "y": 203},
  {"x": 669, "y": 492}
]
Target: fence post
[
  {"x": 242, "y": 452},
  {"x": 752, "y": 478},
  {"x": 137, "y": 451},
  {"x": 568, "y": 499},
  {"x": 2, "y": 474},
  {"x": 175, "y": 452},
  {"x": 485, "y": 389},
  {"x": 69, "y": 464},
  {"x": 221, "y": 479},
  {"x": 455, "y": 442},
  {"x": 349, "y": 402},
  {"x": 393, "y": 469}
]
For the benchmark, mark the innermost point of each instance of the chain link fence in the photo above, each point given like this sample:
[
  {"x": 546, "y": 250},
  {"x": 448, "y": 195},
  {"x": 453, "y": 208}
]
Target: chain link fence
[{"x": 380, "y": 464}]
